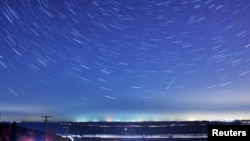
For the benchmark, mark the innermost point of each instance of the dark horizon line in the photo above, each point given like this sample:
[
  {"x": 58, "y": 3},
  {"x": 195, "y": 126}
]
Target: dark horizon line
[{"x": 103, "y": 121}]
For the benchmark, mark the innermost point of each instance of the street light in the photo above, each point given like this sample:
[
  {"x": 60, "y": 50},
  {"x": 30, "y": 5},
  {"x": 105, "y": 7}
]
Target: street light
[{"x": 46, "y": 122}]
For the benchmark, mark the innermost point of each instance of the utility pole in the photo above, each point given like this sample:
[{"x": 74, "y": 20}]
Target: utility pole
[
  {"x": 46, "y": 126},
  {"x": 66, "y": 125}
]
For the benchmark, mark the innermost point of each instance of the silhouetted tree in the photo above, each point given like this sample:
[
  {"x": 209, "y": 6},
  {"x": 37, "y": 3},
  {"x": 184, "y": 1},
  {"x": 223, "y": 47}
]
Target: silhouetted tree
[{"x": 13, "y": 136}]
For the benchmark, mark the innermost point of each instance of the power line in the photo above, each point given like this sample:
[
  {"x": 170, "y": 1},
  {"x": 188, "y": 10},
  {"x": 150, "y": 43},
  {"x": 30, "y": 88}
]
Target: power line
[
  {"x": 66, "y": 125},
  {"x": 46, "y": 126}
]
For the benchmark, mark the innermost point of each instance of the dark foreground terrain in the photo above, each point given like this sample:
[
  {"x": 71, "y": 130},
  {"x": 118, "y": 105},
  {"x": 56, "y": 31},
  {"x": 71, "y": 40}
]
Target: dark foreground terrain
[
  {"x": 111, "y": 131},
  {"x": 14, "y": 132}
]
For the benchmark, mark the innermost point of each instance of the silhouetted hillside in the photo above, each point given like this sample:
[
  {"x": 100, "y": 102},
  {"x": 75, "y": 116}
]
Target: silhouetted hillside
[{"x": 14, "y": 132}]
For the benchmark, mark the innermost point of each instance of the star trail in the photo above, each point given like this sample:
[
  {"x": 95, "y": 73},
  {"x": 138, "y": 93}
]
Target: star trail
[{"x": 124, "y": 60}]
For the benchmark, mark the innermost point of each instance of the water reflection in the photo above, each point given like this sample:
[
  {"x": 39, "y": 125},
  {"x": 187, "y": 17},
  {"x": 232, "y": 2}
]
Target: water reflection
[{"x": 141, "y": 136}]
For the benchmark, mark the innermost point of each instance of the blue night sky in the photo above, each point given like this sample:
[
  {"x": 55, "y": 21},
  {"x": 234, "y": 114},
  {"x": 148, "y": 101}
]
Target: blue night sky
[{"x": 124, "y": 60}]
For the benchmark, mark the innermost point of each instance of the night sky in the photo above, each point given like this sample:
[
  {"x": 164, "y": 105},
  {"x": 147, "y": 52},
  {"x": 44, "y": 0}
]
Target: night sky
[{"x": 124, "y": 60}]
